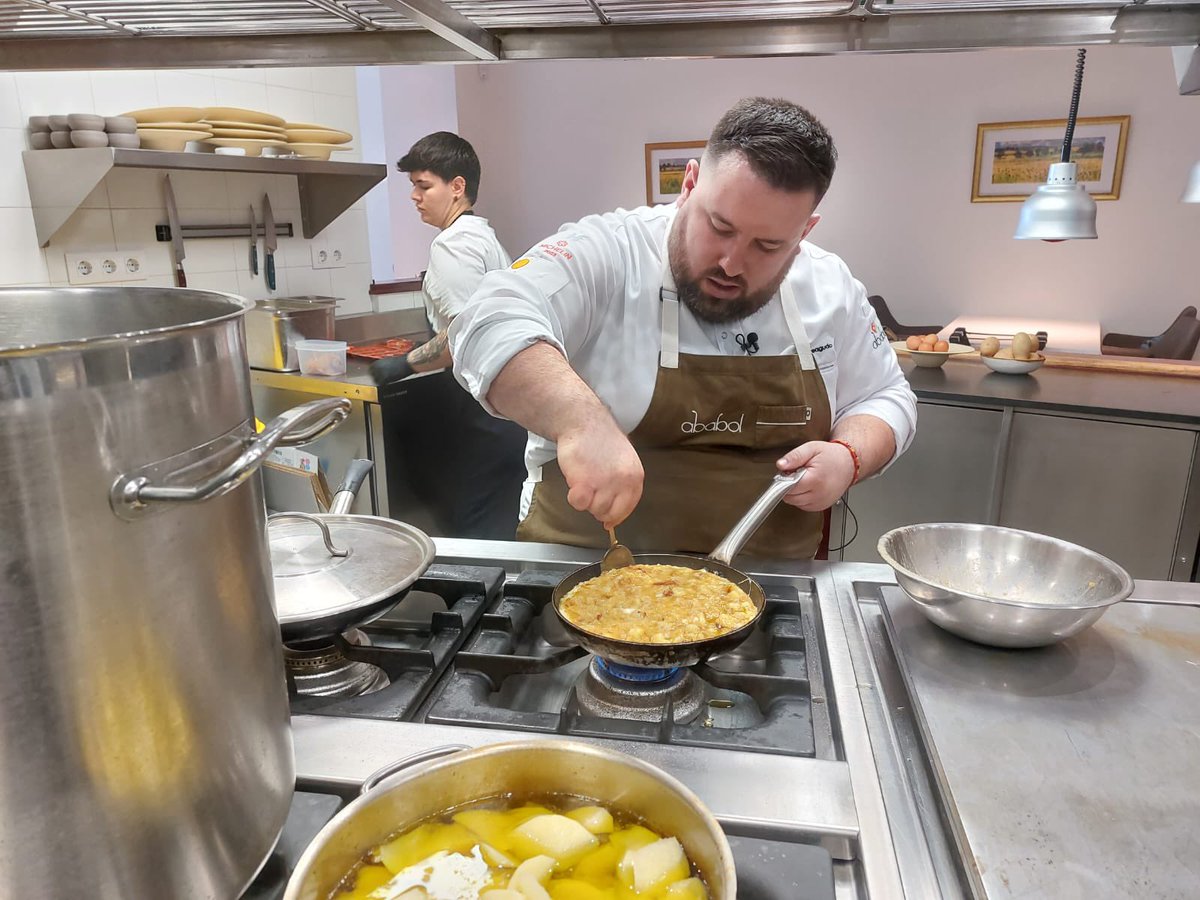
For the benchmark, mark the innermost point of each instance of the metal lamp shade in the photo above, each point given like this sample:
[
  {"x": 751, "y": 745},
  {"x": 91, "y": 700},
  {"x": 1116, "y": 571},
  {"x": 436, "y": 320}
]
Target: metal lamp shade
[
  {"x": 1059, "y": 210},
  {"x": 1191, "y": 193}
]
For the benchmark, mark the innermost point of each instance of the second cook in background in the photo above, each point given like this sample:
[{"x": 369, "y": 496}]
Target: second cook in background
[
  {"x": 479, "y": 458},
  {"x": 669, "y": 360}
]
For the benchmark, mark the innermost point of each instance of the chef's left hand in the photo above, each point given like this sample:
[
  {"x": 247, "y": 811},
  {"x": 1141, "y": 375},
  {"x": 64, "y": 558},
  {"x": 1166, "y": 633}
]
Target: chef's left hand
[{"x": 830, "y": 472}]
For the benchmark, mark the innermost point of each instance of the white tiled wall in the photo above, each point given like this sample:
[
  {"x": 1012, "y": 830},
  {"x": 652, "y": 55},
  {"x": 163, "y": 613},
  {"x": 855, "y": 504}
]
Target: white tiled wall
[{"x": 123, "y": 210}]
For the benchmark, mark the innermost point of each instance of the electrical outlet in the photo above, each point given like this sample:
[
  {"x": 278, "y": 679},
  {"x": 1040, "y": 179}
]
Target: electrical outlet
[
  {"x": 103, "y": 266},
  {"x": 328, "y": 256}
]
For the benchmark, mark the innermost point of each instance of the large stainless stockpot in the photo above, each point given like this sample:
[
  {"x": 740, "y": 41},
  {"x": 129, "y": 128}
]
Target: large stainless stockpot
[{"x": 145, "y": 748}]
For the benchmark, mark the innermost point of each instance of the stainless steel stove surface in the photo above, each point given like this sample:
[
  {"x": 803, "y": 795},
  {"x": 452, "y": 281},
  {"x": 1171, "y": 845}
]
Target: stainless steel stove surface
[{"x": 785, "y": 739}]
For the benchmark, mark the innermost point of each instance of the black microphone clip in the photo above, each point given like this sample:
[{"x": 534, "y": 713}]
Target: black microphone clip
[{"x": 748, "y": 342}]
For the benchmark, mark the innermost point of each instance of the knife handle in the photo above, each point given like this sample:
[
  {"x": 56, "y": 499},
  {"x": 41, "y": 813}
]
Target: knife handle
[
  {"x": 253, "y": 259},
  {"x": 180, "y": 277},
  {"x": 270, "y": 271}
]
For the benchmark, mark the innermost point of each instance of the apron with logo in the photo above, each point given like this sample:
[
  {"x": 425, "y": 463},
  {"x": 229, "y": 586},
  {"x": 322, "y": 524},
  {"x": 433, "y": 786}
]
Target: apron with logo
[{"x": 708, "y": 444}]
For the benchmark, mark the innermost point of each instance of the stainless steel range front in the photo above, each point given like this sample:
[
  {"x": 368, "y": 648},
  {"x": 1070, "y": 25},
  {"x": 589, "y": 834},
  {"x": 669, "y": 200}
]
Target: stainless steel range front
[{"x": 774, "y": 735}]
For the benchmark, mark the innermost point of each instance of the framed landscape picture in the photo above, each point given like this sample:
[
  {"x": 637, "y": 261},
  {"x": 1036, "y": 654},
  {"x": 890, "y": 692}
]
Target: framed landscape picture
[
  {"x": 1013, "y": 158},
  {"x": 665, "y": 164}
]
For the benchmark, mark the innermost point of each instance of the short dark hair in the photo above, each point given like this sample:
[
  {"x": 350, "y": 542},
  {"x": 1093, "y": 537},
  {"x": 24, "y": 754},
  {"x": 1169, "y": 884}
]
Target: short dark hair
[
  {"x": 784, "y": 143},
  {"x": 447, "y": 156}
]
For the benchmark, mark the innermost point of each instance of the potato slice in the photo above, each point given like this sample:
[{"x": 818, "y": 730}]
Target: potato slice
[
  {"x": 688, "y": 889},
  {"x": 490, "y": 826},
  {"x": 530, "y": 877},
  {"x": 366, "y": 880},
  {"x": 553, "y": 835},
  {"x": 633, "y": 836},
  {"x": 654, "y": 865},
  {"x": 424, "y": 841},
  {"x": 595, "y": 819},
  {"x": 575, "y": 889},
  {"x": 495, "y": 858},
  {"x": 600, "y": 866}
]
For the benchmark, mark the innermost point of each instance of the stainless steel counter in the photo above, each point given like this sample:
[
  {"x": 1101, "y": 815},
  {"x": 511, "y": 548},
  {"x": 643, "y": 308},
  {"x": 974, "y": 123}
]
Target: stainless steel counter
[
  {"x": 1071, "y": 771},
  {"x": 958, "y": 771}
]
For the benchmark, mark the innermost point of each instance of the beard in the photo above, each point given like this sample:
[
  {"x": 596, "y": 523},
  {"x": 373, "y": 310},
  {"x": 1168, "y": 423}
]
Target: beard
[{"x": 704, "y": 306}]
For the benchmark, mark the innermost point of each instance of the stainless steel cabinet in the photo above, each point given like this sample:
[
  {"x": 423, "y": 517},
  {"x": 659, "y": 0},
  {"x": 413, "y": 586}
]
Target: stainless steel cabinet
[
  {"x": 1116, "y": 488},
  {"x": 947, "y": 475}
]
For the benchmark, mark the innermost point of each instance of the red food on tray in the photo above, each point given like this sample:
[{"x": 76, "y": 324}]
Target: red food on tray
[{"x": 381, "y": 349}]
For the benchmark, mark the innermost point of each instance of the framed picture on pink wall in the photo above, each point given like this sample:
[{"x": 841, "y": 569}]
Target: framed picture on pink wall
[
  {"x": 1013, "y": 158},
  {"x": 665, "y": 164}
]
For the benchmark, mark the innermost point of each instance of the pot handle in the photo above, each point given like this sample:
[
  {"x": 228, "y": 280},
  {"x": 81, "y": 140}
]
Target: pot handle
[
  {"x": 319, "y": 522},
  {"x": 132, "y": 492},
  {"x": 755, "y": 516},
  {"x": 385, "y": 772}
]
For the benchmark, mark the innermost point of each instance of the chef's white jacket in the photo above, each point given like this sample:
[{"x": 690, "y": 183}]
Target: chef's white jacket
[
  {"x": 592, "y": 291},
  {"x": 458, "y": 259}
]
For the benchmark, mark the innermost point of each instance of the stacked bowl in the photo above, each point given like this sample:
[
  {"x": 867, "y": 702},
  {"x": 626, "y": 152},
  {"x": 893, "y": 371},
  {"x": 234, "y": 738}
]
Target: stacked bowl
[{"x": 82, "y": 130}]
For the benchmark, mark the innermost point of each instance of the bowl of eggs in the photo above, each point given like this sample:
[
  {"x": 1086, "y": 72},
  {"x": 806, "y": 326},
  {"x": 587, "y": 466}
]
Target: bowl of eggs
[
  {"x": 1021, "y": 358},
  {"x": 928, "y": 350}
]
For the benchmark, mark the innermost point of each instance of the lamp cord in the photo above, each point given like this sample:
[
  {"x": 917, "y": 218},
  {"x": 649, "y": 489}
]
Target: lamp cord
[{"x": 1066, "y": 150}]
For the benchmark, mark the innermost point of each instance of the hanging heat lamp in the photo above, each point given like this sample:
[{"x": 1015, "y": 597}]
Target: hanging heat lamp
[{"x": 1061, "y": 209}]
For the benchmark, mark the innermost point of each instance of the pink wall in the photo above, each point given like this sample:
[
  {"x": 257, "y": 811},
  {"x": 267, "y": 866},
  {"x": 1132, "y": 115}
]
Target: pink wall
[
  {"x": 561, "y": 139},
  {"x": 416, "y": 100}
]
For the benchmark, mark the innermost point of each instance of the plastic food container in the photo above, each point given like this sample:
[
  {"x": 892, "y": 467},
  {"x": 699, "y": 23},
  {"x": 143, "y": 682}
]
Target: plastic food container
[{"x": 321, "y": 357}]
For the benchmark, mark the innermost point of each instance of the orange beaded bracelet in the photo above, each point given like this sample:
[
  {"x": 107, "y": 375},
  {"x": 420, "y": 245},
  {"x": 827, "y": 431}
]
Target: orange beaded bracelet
[{"x": 853, "y": 456}]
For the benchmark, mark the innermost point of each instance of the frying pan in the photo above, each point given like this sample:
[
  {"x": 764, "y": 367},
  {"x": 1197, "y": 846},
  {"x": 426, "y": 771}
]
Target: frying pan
[
  {"x": 663, "y": 656},
  {"x": 335, "y": 571}
]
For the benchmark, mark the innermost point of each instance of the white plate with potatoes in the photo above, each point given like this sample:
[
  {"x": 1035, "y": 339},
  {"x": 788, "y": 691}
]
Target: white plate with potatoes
[
  {"x": 929, "y": 354},
  {"x": 1020, "y": 358}
]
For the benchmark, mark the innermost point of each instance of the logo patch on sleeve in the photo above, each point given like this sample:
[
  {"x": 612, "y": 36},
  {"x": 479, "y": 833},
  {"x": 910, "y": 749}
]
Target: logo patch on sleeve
[{"x": 521, "y": 263}]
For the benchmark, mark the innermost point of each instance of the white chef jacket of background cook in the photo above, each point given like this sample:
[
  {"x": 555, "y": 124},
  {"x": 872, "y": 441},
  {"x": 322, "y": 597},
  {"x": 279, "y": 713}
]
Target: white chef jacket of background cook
[
  {"x": 458, "y": 258},
  {"x": 592, "y": 291}
]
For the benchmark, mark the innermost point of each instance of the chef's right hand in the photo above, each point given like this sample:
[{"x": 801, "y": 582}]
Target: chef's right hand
[{"x": 603, "y": 472}]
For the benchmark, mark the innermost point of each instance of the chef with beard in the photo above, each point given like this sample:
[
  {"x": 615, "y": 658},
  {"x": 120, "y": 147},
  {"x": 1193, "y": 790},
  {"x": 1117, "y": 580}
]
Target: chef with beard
[{"x": 668, "y": 361}]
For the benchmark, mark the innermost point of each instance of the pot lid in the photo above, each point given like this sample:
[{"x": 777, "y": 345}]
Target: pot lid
[{"x": 365, "y": 560}]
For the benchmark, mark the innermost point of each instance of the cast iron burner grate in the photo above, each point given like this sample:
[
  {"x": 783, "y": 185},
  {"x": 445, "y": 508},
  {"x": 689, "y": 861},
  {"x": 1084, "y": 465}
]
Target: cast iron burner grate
[
  {"x": 522, "y": 671},
  {"x": 411, "y": 646}
]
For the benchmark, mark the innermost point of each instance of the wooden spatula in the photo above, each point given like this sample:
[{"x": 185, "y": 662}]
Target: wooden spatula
[{"x": 617, "y": 556}]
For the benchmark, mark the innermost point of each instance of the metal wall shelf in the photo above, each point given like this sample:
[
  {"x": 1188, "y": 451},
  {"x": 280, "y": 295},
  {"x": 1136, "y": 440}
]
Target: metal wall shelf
[{"x": 60, "y": 180}]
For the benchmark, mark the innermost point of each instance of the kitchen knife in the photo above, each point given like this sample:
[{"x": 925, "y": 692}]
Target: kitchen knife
[
  {"x": 176, "y": 232},
  {"x": 270, "y": 242},
  {"x": 253, "y": 243}
]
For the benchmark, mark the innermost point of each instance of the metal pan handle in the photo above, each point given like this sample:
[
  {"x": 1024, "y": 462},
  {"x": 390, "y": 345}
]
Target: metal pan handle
[
  {"x": 755, "y": 516},
  {"x": 133, "y": 492},
  {"x": 385, "y": 772},
  {"x": 320, "y": 523}
]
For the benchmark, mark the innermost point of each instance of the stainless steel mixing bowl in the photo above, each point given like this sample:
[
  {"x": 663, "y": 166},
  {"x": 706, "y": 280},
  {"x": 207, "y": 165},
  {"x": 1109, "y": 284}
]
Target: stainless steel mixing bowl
[{"x": 1001, "y": 586}]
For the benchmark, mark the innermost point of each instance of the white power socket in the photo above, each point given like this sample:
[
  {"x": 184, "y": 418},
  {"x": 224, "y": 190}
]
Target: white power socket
[
  {"x": 102, "y": 266},
  {"x": 328, "y": 256}
]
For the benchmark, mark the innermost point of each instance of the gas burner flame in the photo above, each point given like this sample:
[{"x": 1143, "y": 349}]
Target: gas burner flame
[{"x": 636, "y": 674}]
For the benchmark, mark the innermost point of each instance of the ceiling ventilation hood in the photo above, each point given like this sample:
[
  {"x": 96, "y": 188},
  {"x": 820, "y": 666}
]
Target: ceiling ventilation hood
[{"x": 95, "y": 34}]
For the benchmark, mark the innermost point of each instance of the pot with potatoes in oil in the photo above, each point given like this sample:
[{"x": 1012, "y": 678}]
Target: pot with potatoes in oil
[{"x": 529, "y": 820}]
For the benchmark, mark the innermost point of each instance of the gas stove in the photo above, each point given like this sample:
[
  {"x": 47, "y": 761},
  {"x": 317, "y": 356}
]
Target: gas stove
[{"x": 772, "y": 734}]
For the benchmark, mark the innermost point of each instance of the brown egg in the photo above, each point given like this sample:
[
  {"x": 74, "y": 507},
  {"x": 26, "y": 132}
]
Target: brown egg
[
  {"x": 942, "y": 346},
  {"x": 931, "y": 338},
  {"x": 989, "y": 346},
  {"x": 1004, "y": 354},
  {"x": 913, "y": 343}
]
